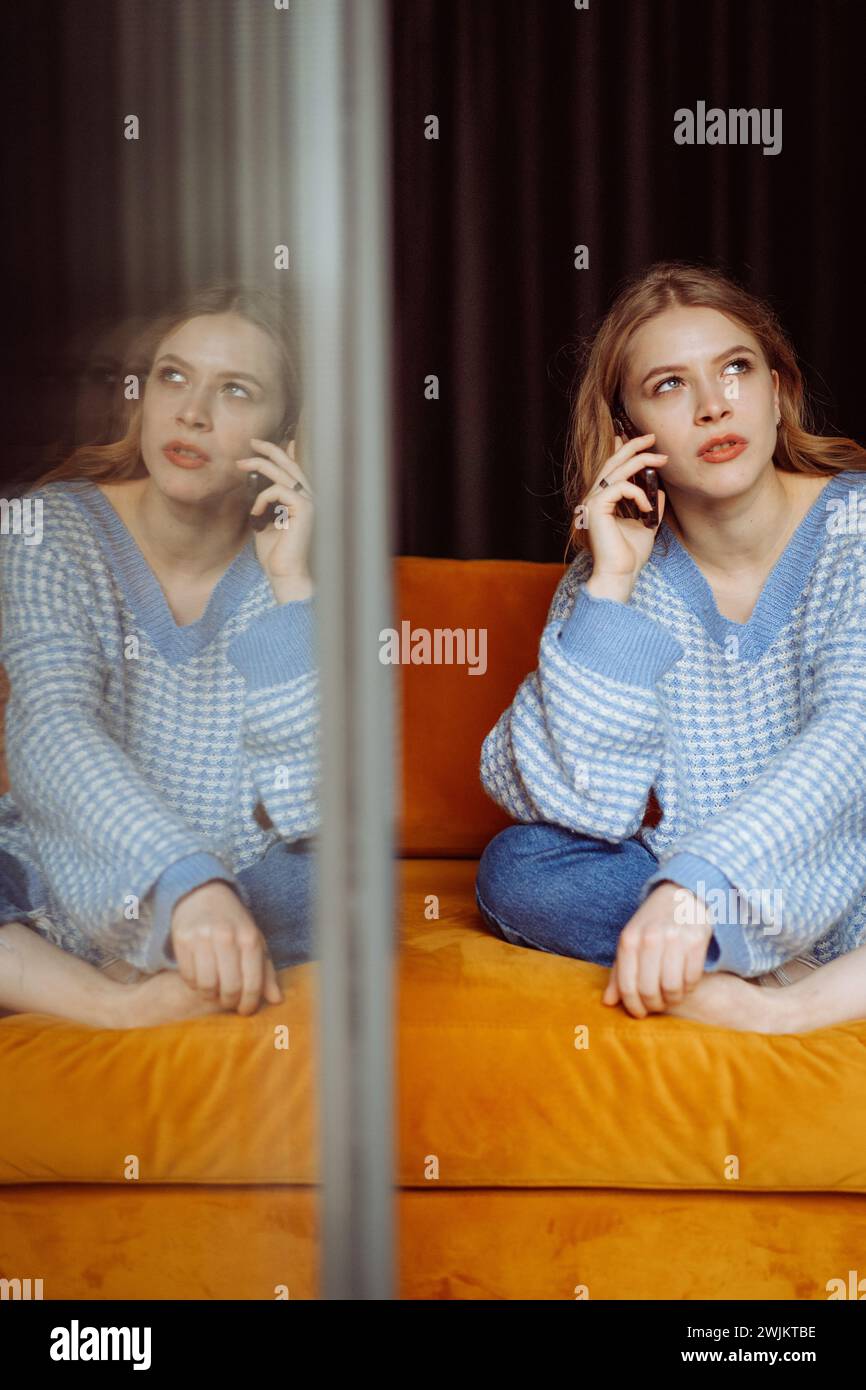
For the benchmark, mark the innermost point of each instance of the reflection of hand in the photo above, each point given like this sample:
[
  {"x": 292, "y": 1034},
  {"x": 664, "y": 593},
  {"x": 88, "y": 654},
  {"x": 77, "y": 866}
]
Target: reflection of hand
[
  {"x": 659, "y": 960},
  {"x": 283, "y": 547},
  {"x": 220, "y": 951}
]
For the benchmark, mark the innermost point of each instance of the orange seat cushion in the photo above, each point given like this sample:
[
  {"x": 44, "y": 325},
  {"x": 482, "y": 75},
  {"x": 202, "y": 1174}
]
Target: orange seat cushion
[{"x": 510, "y": 1073}]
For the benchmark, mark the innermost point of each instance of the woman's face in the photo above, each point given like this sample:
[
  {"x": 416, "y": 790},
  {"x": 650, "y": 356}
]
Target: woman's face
[
  {"x": 694, "y": 374},
  {"x": 214, "y": 385}
]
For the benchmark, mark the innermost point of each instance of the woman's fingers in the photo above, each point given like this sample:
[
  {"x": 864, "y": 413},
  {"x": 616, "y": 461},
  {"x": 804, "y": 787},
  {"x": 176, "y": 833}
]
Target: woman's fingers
[
  {"x": 252, "y": 968},
  {"x": 631, "y": 455},
  {"x": 638, "y": 441},
  {"x": 615, "y": 490},
  {"x": 627, "y": 973},
  {"x": 228, "y": 967},
  {"x": 275, "y": 493},
  {"x": 207, "y": 980},
  {"x": 278, "y": 496},
  {"x": 650, "y": 957},
  {"x": 185, "y": 957},
  {"x": 281, "y": 476},
  {"x": 290, "y": 466},
  {"x": 673, "y": 967},
  {"x": 273, "y": 992}
]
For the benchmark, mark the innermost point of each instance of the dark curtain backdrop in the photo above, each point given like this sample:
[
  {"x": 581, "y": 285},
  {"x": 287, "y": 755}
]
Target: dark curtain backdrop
[{"x": 555, "y": 129}]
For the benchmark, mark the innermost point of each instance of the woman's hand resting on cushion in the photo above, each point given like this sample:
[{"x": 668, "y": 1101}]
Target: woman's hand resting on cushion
[
  {"x": 659, "y": 958},
  {"x": 220, "y": 951}
]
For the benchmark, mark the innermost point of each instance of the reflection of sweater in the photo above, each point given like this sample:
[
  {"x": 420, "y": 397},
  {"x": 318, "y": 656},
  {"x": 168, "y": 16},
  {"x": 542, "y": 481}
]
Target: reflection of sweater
[
  {"x": 753, "y": 735},
  {"x": 138, "y": 749}
]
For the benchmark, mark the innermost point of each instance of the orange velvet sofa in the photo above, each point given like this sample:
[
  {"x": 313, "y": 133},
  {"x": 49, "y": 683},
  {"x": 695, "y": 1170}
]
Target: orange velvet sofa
[{"x": 548, "y": 1147}]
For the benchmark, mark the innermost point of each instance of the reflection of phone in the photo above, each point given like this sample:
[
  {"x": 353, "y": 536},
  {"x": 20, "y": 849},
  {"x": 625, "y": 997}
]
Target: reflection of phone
[
  {"x": 646, "y": 478},
  {"x": 257, "y": 482}
]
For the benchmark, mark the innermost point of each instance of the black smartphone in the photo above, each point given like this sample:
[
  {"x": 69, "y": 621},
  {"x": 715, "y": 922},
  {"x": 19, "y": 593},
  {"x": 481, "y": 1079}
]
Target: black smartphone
[
  {"x": 256, "y": 483},
  {"x": 647, "y": 478}
]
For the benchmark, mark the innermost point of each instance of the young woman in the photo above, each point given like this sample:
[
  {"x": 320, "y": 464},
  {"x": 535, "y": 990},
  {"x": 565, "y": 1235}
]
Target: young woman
[
  {"x": 161, "y": 729},
  {"x": 718, "y": 660}
]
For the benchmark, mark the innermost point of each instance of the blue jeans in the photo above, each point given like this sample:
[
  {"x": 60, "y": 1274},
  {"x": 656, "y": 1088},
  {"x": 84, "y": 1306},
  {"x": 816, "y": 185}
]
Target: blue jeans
[
  {"x": 281, "y": 888},
  {"x": 282, "y": 900},
  {"x": 549, "y": 888}
]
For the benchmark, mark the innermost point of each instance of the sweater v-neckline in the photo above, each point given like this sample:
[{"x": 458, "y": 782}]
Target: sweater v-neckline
[
  {"x": 780, "y": 592},
  {"x": 144, "y": 593}
]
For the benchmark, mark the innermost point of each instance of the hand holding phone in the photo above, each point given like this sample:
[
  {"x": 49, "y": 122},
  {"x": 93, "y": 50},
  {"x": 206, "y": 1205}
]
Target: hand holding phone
[
  {"x": 646, "y": 478},
  {"x": 620, "y": 551},
  {"x": 256, "y": 483},
  {"x": 283, "y": 488}
]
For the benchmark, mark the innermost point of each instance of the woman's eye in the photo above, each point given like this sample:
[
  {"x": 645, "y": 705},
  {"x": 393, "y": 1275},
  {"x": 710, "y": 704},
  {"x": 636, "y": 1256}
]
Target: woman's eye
[
  {"x": 166, "y": 372},
  {"x": 734, "y": 362},
  {"x": 740, "y": 362}
]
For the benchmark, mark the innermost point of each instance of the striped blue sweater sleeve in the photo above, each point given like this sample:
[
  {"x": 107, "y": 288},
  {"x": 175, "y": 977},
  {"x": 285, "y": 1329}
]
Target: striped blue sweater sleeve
[
  {"x": 280, "y": 730},
  {"x": 791, "y": 845},
  {"x": 105, "y": 836},
  {"x": 582, "y": 741}
]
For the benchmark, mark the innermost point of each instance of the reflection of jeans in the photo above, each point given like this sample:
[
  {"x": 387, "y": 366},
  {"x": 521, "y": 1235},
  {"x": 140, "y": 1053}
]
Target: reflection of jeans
[
  {"x": 543, "y": 886},
  {"x": 281, "y": 889},
  {"x": 21, "y": 889}
]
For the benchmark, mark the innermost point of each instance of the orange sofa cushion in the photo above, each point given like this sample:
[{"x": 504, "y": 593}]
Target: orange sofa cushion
[
  {"x": 510, "y": 1072},
  {"x": 107, "y": 1242}
]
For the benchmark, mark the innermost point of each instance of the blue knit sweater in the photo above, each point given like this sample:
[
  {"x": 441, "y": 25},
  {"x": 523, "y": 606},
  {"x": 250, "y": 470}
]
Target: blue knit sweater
[
  {"x": 139, "y": 749},
  {"x": 753, "y": 735}
]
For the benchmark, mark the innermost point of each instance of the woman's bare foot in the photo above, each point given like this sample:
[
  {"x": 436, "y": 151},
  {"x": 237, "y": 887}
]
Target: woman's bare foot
[
  {"x": 728, "y": 1001},
  {"x": 36, "y": 976},
  {"x": 834, "y": 993},
  {"x": 161, "y": 998}
]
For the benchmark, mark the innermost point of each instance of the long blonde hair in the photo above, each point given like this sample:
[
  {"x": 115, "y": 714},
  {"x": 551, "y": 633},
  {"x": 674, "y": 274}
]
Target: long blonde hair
[
  {"x": 275, "y": 313},
  {"x": 665, "y": 285}
]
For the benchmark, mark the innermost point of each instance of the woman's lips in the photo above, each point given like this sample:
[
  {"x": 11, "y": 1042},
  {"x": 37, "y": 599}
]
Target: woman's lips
[
  {"x": 183, "y": 460},
  {"x": 723, "y": 455}
]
